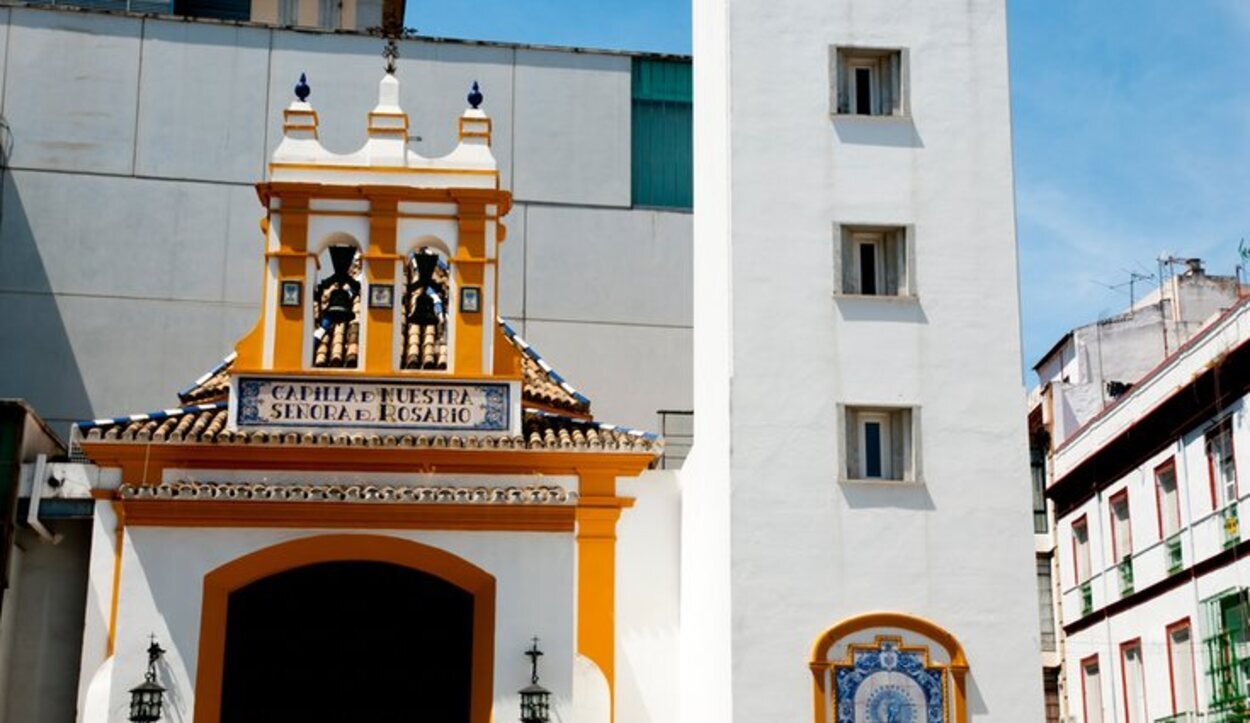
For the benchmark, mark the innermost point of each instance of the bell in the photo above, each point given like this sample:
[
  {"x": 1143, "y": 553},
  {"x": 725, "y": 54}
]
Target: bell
[
  {"x": 426, "y": 263},
  {"x": 338, "y": 309},
  {"x": 423, "y": 310},
  {"x": 341, "y": 258}
]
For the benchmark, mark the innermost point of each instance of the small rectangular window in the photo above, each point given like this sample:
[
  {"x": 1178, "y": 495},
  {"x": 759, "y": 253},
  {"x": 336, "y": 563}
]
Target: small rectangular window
[
  {"x": 873, "y": 261},
  {"x": 879, "y": 444},
  {"x": 1169, "y": 500},
  {"x": 1080, "y": 550},
  {"x": 1134, "y": 682},
  {"x": 1121, "y": 528},
  {"x": 1181, "y": 663},
  {"x": 1091, "y": 688},
  {"x": 1221, "y": 466},
  {"x": 1046, "y": 602},
  {"x": 288, "y": 12},
  {"x": 329, "y": 15},
  {"x": 867, "y": 81}
]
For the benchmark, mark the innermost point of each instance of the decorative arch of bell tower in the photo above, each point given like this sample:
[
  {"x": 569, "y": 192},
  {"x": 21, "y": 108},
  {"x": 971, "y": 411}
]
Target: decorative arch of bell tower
[
  {"x": 888, "y": 666},
  {"x": 343, "y": 288}
]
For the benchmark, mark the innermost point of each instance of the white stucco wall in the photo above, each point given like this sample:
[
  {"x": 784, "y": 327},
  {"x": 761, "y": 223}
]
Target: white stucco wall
[
  {"x": 162, "y": 582},
  {"x": 805, "y": 551},
  {"x": 648, "y": 592}
]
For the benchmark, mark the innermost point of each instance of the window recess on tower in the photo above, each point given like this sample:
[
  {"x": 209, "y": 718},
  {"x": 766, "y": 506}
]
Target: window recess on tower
[
  {"x": 867, "y": 81},
  {"x": 879, "y": 444},
  {"x": 873, "y": 260}
]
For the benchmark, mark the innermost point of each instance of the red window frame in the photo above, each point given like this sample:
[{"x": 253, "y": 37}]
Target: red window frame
[
  {"x": 1169, "y": 464},
  {"x": 1141, "y": 670},
  {"x": 1116, "y": 555},
  {"x": 1225, "y": 423},
  {"x": 1084, "y": 693},
  {"x": 1193, "y": 664},
  {"x": 1082, "y": 522}
]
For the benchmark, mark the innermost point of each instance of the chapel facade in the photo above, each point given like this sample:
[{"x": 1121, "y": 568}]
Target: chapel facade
[{"x": 383, "y": 502}]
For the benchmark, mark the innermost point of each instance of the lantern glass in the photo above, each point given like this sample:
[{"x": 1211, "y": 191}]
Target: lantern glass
[
  {"x": 535, "y": 704},
  {"x": 145, "y": 702}
]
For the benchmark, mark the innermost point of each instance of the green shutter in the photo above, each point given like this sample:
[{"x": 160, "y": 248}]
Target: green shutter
[{"x": 663, "y": 139}]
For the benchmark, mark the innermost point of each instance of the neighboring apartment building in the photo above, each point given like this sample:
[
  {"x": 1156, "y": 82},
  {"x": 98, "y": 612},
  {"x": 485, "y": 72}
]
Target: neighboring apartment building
[
  {"x": 1087, "y": 369},
  {"x": 855, "y": 247},
  {"x": 1150, "y": 557}
]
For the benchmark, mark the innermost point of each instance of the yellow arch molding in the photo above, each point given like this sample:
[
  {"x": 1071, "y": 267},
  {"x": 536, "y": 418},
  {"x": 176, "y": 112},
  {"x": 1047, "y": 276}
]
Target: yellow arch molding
[
  {"x": 219, "y": 583},
  {"x": 820, "y": 664}
]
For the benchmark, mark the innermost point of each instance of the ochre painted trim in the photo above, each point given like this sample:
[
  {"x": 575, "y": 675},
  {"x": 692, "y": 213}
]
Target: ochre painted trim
[
  {"x": 348, "y": 515},
  {"x": 820, "y": 663},
  {"x": 598, "y": 510},
  {"x": 219, "y": 583},
  {"x": 119, "y": 540}
]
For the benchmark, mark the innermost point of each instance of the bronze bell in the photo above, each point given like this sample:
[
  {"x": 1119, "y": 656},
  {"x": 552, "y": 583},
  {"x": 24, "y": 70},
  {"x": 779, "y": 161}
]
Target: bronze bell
[
  {"x": 338, "y": 308},
  {"x": 423, "y": 311},
  {"x": 426, "y": 263}
]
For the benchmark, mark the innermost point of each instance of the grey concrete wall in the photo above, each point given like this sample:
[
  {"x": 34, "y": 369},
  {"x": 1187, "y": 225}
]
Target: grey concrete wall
[
  {"x": 40, "y": 675},
  {"x": 129, "y": 247}
]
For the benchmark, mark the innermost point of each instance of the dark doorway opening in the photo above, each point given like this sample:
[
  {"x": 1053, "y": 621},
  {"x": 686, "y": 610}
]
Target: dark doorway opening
[{"x": 340, "y": 642}]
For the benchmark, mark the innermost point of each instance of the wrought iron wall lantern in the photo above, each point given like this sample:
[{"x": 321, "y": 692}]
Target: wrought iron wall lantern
[
  {"x": 147, "y": 697},
  {"x": 535, "y": 699}
]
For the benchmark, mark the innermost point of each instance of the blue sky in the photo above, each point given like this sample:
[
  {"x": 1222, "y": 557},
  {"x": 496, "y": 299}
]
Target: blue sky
[{"x": 1132, "y": 129}]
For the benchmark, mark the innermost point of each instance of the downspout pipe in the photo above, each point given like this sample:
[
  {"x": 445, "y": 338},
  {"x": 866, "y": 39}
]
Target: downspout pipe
[{"x": 36, "y": 495}]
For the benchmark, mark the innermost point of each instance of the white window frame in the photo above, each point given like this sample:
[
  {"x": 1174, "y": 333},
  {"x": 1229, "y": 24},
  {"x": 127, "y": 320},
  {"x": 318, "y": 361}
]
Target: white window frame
[
  {"x": 875, "y": 239},
  {"x": 1170, "y": 520},
  {"x": 873, "y": 66},
  {"x": 885, "y": 446}
]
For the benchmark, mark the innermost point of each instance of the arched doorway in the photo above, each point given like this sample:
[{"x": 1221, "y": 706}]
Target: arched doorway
[
  {"x": 348, "y": 641},
  {"x": 346, "y": 627}
]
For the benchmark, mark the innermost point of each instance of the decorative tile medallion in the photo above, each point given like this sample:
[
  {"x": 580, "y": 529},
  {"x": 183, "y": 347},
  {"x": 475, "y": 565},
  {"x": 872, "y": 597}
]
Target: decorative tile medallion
[
  {"x": 381, "y": 296},
  {"x": 292, "y": 293},
  {"x": 887, "y": 683}
]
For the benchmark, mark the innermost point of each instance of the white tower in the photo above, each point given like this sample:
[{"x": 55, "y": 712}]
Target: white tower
[{"x": 857, "y": 543}]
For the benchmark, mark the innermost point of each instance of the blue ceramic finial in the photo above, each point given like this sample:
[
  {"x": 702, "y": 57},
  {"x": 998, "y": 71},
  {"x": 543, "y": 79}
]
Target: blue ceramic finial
[
  {"x": 475, "y": 96},
  {"x": 302, "y": 90}
]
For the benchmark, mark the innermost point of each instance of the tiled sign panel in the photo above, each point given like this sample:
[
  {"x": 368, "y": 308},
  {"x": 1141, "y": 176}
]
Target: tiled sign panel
[{"x": 383, "y": 405}]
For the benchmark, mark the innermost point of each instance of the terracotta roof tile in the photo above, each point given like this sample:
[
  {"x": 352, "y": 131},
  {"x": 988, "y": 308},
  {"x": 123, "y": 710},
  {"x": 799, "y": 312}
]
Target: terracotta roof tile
[{"x": 206, "y": 424}]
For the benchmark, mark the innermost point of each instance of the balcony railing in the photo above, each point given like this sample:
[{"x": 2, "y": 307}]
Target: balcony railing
[
  {"x": 1126, "y": 575},
  {"x": 1232, "y": 526},
  {"x": 1176, "y": 559}
]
